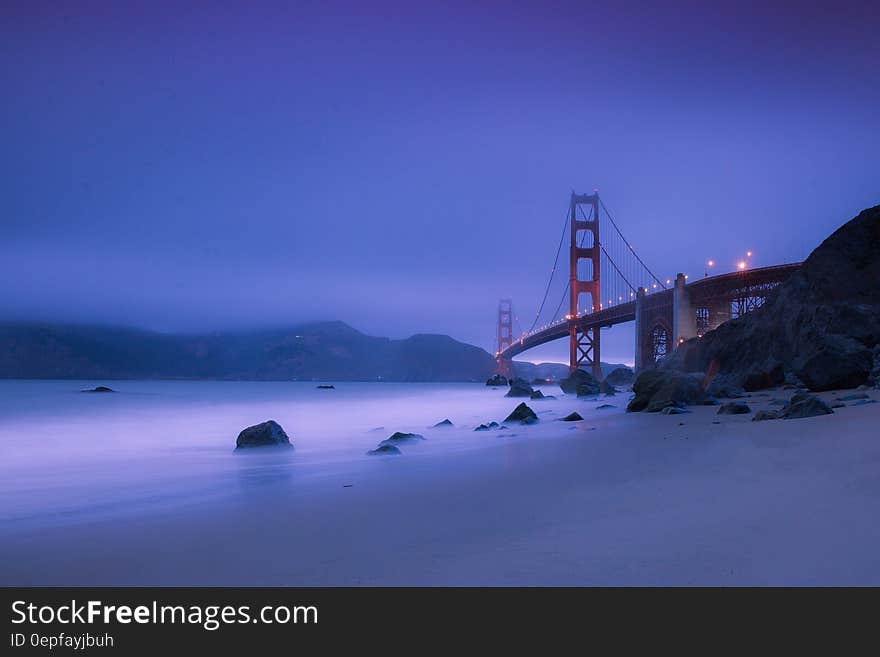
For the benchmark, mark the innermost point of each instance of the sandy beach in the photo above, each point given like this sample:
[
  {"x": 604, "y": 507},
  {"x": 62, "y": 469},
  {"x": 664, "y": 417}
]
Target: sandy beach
[{"x": 618, "y": 499}]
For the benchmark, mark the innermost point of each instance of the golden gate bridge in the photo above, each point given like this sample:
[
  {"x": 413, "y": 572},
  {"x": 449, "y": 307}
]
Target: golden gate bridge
[{"x": 609, "y": 284}]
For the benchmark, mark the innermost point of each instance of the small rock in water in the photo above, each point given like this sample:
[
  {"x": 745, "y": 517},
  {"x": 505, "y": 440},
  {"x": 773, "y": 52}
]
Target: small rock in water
[
  {"x": 734, "y": 408},
  {"x": 100, "y": 389},
  {"x": 604, "y": 406},
  {"x": 537, "y": 394},
  {"x": 522, "y": 413},
  {"x": 326, "y": 387},
  {"x": 399, "y": 438},
  {"x": 384, "y": 450},
  {"x": 444, "y": 423},
  {"x": 572, "y": 417},
  {"x": 265, "y": 434},
  {"x": 520, "y": 388},
  {"x": 674, "y": 410},
  {"x": 497, "y": 380}
]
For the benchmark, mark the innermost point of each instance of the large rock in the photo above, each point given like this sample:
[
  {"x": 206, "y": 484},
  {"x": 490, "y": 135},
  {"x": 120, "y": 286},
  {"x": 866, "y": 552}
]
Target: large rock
[
  {"x": 497, "y": 380},
  {"x": 733, "y": 408},
  {"x": 622, "y": 376},
  {"x": 804, "y": 405},
  {"x": 580, "y": 383},
  {"x": 520, "y": 388},
  {"x": 607, "y": 388},
  {"x": 522, "y": 413},
  {"x": 821, "y": 327},
  {"x": 265, "y": 434},
  {"x": 656, "y": 389}
]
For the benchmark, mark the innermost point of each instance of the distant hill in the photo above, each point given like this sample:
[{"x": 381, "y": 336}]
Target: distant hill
[
  {"x": 330, "y": 351},
  {"x": 554, "y": 371}
]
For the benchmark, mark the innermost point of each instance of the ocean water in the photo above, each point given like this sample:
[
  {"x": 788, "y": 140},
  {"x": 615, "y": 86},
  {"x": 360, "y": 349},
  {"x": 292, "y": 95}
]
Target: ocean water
[{"x": 66, "y": 454}]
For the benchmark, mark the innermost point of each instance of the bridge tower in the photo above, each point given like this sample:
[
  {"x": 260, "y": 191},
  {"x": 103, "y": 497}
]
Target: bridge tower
[
  {"x": 584, "y": 343},
  {"x": 505, "y": 335}
]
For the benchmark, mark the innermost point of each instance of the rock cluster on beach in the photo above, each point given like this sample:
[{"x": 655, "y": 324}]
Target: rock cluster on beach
[
  {"x": 497, "y": 381},
  {"x": 265, "y": 434},
  {"x": 801, "y": 405},
  {"x": 520, "y": 388},
  {"x": 622, "y": 376}
]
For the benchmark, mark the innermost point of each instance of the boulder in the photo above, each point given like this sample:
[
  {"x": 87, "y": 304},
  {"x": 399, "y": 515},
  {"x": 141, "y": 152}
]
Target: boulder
[
  {"x": 523, "y": 414},
  {"x": 734, "y": 408},
  {"x": 384, "y": 450},
  {"x": 571, "y": 417},
  {"x": 444, "y": 423},
  {"x": 820, "y": 328},
  {"x": 265, "y": 434},
  {"x": 520, "y": 388},
  {"x": 580, "y": 383},
  {"x": 655, "y": 389},
  {"x": 766, "y": 415},
  {"x": 537, "y": 394},
  {"x": 804, "y": 405},
  {"x": 622, "y": 376},
  {"x": 607, "y": 388},
  {"x": 497, "y": 381}
]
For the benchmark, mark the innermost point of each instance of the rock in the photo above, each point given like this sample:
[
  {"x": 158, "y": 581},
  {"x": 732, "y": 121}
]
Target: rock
[
  {"x": 607, "y": 388},
  {"x": 765, "y": 415},
  {"x": 602, "y": 407},
  {"x": 444, "y": 423},
  {"x": 723, "y": 386},
  {"x": 520, "y": 388},
  {"x": 537, "y": 394},
  {"x": 622, "y": 376},
  {"x": 656, "y": 389},
  {"x": 522, "y": 413},
  {"x": 733, "y": 408},
  {"x": 580, "y": 383},
  {"x": 487, "y": 427},
  {"x": 674, "y": 410},
  {"x": 497, "y": 381},
  {"x": 838, "y": 405},
  {"x": 804, "y": 405},
  {"x": 265, "y": 434},
  {"x": 100, "y": 389},
  {"x": 384, "y": 450},
  {"x": 853, "y": 397},
  {"x": 710, "y": 401},
  {"x": 820, "y": 328},
  {"x": 777, "y": 402},
  {"x": 571, "y": 417},
  {"x": 326, "y": 387},
  {"x": 400, "y": 438}
]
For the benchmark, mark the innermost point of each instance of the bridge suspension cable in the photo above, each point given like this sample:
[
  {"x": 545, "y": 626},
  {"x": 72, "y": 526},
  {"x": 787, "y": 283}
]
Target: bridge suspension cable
[
  {"x": 641, "y": 262},
  {"x": 552, "y": 274}
]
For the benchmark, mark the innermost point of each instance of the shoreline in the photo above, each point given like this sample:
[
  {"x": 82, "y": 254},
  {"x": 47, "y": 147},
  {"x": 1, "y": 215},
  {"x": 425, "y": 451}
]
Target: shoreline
[{"x": 640, "y": 499}]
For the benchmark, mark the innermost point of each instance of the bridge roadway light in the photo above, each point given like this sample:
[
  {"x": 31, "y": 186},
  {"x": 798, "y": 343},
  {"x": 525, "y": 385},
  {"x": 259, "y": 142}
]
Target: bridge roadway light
[{"x": 741, "y": 265}]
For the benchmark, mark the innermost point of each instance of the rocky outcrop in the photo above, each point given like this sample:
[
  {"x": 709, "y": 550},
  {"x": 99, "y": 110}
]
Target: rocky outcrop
[
  {"x": 822, "y": 326},
  {"x": 497, "y": 381},
  {"x": 580, "y": 383},
  {"x": 520, "y": 388},
  {"x": 522, "y": 413},
  {"x": 656, "y": 389},
  {"x": 622, "y": 376},
  {"x": 265, "y": 434}
]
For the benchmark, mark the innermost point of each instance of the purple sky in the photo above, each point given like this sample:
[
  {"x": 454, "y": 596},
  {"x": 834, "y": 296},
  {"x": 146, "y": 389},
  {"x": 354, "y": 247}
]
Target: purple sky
[{"x": 400, "y": 166}]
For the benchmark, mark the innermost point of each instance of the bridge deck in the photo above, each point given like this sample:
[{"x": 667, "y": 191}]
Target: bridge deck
[{"x": 716, "y": 287}]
